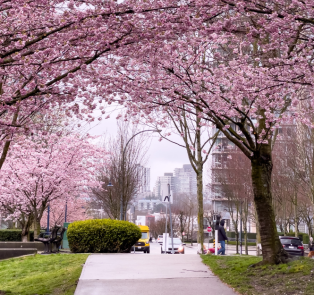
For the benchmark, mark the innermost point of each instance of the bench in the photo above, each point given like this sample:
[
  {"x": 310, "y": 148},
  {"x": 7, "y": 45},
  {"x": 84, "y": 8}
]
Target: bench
[
  {"x": 48, "y": 238},
  {"x": 57, "y": 242}
]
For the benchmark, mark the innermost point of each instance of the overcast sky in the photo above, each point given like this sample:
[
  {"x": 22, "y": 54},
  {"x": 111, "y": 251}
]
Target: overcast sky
[{"x": 163, "y": 156}]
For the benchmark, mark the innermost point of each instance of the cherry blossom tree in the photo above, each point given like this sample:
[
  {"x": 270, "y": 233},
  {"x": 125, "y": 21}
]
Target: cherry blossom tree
[
  {"x": 75, "y": 208},
  {"x": 54, "y": 52},
  {"x": 46, "y": 169},
  {"x": 245, "y": 65}
]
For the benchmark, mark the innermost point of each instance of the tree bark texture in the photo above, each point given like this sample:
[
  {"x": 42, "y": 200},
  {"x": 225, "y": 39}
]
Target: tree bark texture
[
  {"x": 272, "y": 250},
  {"x": 37, "y": 228},
  {"x": 200, "y": 213},
  {"x": 26, "y": 222},
  {"x": 258, "y": 236}
]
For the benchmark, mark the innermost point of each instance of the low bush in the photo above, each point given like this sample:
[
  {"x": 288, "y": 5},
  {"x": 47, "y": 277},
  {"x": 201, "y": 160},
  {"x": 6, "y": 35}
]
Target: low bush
[
  {"x": 13, "y": 235},
  {"x": 102, "y": 236},
  {"x": 231, "y": 234}
]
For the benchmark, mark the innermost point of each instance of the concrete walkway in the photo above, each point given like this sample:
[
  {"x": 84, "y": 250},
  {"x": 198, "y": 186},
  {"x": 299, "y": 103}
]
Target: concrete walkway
[{"x": 127, "y": 274}]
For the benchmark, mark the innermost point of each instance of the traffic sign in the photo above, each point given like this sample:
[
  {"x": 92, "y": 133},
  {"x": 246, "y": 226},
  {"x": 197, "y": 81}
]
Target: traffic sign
[{"x": 209, "y": 229}]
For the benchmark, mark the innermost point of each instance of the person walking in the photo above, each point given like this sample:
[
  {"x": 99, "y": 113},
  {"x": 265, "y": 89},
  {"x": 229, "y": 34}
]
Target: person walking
[
  {"x": 311, "y": 244},
  {"x": 222, "y": 237}
]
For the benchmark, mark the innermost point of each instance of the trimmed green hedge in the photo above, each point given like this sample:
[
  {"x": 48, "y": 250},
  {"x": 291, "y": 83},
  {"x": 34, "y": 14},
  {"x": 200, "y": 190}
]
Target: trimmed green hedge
[
  {"x": 13, "y": 235},
  {"x": 102, "y": 236},
  {"x": 231, "y": 234}
]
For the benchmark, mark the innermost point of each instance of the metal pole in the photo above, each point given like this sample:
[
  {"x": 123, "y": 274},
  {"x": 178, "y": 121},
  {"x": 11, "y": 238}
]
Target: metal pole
[
  {"x": 48, "y": 216},
  {"x": 216, "y": 242},
  {"x": 172, "y": 251},
  {"x": 216, "y": 234},
  {"x": 166, "y": 230},
  {"x": 122, "y": 185},
  {"x": 241, "y": 228},
  {"x": 66, "y": 211}
]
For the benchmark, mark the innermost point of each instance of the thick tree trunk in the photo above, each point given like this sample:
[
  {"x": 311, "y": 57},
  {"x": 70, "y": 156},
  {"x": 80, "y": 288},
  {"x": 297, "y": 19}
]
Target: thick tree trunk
[
  {"x": 258, "y": 239},
  {"x": 200, "y": 212},
  {"x": 36, "y": 228},
  {"x": 26, "y": 222},
  {"x": 261, "y": 163}
]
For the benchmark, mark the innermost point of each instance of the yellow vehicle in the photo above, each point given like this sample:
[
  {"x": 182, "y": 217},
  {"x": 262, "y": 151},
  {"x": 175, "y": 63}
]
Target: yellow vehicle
[{"x": 143, "y": 243}]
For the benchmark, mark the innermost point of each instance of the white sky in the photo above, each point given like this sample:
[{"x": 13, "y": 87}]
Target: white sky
[{"x": 162, "y": 156}]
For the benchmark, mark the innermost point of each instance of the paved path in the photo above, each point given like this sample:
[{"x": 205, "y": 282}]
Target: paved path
[{"x": 153, "y": 274}]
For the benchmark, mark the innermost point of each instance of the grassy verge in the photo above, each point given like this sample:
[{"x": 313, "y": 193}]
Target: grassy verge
[
  {"x": 296, "y": 277},
  {"x": 41, "y": 274}
]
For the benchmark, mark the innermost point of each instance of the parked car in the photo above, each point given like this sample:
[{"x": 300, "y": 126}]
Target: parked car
[
  {"x": 178, "y": 246},
  {"x": 159, "y": 239},
  {"x": 292, "y": 245}
]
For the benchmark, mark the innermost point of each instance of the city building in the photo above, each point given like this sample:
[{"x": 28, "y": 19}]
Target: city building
[
  {"x": 183, "y": 180},
  {"x": 226, "y": 186},
  {"x": 144, "y": 178},
  {"x": 161, "y": 186}
]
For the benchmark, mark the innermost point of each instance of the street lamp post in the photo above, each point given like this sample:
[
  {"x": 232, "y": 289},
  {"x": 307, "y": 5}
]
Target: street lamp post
[
  {"x": 122, "y": 170},
  {"x": 66, "y": 210},
  {"x": 48, "y": 217},
  {"x": 170, "y": 220},
  {"x": 241, "y": 228}
]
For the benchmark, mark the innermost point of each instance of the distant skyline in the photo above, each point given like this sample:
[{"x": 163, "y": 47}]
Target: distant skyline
[{"x": 163, "y": 156}]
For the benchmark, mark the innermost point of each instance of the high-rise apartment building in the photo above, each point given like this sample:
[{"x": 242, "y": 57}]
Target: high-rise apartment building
[
  {"x": 183, "y": 180},
  {"x": 161, "y": 186},
  {"x": 144, "y": 178},
  {"x": 143, "y": 175}
]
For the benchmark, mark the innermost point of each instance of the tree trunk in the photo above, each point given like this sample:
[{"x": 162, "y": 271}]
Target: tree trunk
[
  {"x": 192, "y": 232},
  {"x": 237, "y": 241},
  {"x": 8, "y": 142},
  {"x": 296, "y": 221},
  {"x": 188, "y": 231},
  {"x": 245, "y": 218},
  {"x": 261, "y": 163},
  {"x": 36, "y": 228},
  {"x": 245, "y": 237},
  {"x": 26, "y": 222},
  {"x": 200, "y": 213},
  {"x": 258, "y": 239}
]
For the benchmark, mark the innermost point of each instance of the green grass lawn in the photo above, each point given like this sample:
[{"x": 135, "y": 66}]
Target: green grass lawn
[
  {"x": 41, "y": 274},
  {"x": 296, "y": 277}
]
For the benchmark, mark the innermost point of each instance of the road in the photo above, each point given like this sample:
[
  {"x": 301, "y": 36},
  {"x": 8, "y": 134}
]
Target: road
[{"x": 155, "y": 249}]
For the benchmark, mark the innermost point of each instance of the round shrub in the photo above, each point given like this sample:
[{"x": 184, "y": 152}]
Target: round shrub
[{"x": 102, "y": 236}]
